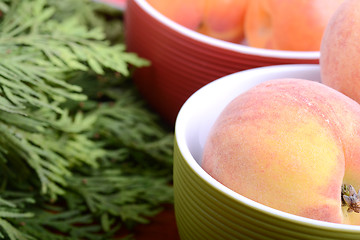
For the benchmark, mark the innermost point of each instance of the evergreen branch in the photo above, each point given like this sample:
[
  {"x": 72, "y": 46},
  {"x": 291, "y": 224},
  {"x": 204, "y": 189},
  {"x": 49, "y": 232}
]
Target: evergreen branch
[
  {"x": 38, "y": 54},
  {"x": 8, "y": 231},
  {"x": 117, "y": 119},
  {"x": 112, "y": 194},
  {"x": 51, "y": 155},
  {"x": 72, "y": 129},
  {"x": 49, "y": 225},
  {"x": 12, "y": 209},
  {"x": 58, "y": 47}
]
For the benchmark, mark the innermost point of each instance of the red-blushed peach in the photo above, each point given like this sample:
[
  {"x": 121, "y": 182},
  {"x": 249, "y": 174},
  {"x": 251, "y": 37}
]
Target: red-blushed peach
[
  {"x": 289, "y": 144},
  {"x": 224, "y": 19},
  {"x": 188, "y": 13},
  {"x": 340, "y": 50},
  {"x": 288, "y": 25}
]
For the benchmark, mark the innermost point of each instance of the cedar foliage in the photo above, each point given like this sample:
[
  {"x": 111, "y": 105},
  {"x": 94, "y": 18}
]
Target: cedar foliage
[{"x": 81, "y": 156}]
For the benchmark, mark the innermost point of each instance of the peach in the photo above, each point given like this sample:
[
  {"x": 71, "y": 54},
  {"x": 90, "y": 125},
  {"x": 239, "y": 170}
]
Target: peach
[
  {"x": 288, "y": 25},
  {"x": 290, "y": 144},
  {"x": 188, "y": 13},
  {"x": 340, "y": 48},
  {"x": 224, "y": 19}
]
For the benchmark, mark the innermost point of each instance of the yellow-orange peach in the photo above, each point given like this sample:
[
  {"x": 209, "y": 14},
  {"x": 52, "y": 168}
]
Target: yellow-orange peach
[
  {"x": 188, "y": 13},
  {"x": 289, "y": 144},
  {"x": 340, "y": 50},
  {"x": 224, "y": 19},
  {"x": 288, "y": 25}
]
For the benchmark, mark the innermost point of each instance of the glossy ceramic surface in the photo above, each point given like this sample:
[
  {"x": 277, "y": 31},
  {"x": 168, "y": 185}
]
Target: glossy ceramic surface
[
  {"x": 204, "y": 208},
  {"x": 184, "y": 60}
]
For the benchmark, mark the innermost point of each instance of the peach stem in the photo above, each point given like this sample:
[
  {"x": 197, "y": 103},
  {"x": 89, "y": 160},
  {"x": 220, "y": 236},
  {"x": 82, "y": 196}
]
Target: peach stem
[{"x": 350, "y": 198}]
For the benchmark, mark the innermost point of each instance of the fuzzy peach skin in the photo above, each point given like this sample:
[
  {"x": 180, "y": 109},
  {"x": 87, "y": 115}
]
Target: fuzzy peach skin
[
  {"x": 289, "y": 144},
  {"x": 340, "y": 50},
  {"x": 224, "y": 19},
  {"x": 296, "y": 25},
  {"x": 188, "y": 13}
]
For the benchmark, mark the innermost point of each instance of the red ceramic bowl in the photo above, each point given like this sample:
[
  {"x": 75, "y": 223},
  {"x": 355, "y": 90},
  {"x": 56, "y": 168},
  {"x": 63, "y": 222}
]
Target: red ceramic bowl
[{"x": 182, "y": 60}]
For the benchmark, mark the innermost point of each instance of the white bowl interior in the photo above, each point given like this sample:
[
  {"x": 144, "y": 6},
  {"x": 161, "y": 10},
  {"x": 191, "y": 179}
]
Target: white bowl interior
[
  {"x": 313, "y": 55},
  {"x": 200, "y": 111}
]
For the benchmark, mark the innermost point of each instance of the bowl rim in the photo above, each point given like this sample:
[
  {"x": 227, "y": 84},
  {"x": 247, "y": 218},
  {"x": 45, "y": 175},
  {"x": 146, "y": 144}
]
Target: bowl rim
[
  {"x": 301, "y": 55},
  {"x": 180, "y": 138}
]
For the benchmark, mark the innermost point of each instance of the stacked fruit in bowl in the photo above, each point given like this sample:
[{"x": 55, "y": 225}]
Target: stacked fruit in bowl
[
  {"x": 193, "y": 42},
  {"x": 272, "y": 152},
  {"x": 268, "y": 24}
]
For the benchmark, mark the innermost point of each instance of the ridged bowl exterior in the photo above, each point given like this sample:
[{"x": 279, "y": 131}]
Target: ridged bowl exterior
[
  {"x": 204, "y": 212},
  {"x": 183, "y": 61},
  {"x": 204, "y": 208}
]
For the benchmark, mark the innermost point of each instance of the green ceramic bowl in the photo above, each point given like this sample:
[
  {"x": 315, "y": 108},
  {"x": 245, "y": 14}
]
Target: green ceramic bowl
[{"x": 206, "y": 209}]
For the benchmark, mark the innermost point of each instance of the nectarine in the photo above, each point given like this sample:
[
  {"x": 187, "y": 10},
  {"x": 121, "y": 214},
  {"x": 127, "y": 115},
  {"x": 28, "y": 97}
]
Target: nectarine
[
  {"x": 288, "y": 25},
  {"x": 290, "y": 144}
]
